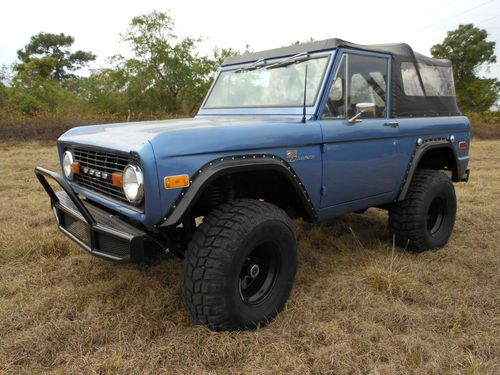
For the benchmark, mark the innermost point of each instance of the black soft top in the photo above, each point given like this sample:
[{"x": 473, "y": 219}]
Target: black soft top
[{"x": 415, "y": 102}]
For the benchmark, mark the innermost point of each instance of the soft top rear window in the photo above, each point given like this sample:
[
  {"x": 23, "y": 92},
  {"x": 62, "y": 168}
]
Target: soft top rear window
[{"x": 437, "y": 80}]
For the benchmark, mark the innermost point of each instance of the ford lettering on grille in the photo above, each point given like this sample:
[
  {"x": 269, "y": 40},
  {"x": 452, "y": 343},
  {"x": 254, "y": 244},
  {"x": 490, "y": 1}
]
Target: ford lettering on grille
[{"x": 96, "y": 169}]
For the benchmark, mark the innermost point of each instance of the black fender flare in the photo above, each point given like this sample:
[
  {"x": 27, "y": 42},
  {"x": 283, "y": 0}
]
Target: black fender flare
[
  {"x": 228, "y": 165},
  {"x": 417, "y": 156}
]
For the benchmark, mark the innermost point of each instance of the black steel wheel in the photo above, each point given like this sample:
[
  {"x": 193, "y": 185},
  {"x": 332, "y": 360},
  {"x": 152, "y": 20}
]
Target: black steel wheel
[
  {"x": 435, "y": 215},
  {"x": 240, "y": 266},
  {"x": 425, "y": 219},
  {"x": 259, "y": 272}
]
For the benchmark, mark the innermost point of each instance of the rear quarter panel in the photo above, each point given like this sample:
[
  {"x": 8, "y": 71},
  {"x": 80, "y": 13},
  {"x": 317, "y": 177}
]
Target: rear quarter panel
[{"x": 426, "y": 128}]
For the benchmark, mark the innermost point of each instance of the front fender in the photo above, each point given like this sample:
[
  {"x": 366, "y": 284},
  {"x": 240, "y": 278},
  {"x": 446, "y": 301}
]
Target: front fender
[{"x": 231, "y": 164}]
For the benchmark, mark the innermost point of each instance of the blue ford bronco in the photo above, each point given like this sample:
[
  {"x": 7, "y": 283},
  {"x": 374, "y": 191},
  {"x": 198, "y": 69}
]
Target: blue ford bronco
[{"x": 313, "y": 131}]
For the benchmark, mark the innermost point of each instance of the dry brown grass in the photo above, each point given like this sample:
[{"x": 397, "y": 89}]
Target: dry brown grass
[
  {"x": 357, "y": 306},
  {"x": 485, "y": 125},
  {"x": 484, "y": 130},
  {"x": 49, "y": 126},
  {"x": 46, "y": 126}
]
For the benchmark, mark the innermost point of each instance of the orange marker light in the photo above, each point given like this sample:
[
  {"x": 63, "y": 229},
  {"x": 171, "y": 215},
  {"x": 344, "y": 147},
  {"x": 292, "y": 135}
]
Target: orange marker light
[
  {"x": 75, "y": 167},
  {"x": 174, "y": 182},
  {"x": 117, "y": 179}
]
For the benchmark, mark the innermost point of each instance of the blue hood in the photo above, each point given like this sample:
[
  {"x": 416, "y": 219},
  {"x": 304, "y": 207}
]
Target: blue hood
[
  {"x": 174, "y": 147},
  {"x": 195, "y": 135}
]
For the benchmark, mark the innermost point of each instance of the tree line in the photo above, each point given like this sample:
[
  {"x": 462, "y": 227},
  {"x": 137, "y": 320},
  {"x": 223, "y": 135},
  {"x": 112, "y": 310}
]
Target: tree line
[{"x": 165, "y": 74}]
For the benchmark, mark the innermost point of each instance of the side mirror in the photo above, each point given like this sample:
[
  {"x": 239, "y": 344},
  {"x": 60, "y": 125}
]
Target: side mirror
[
  {"x": 363, "y": 109},
  {"x": 356, "y": 118}
]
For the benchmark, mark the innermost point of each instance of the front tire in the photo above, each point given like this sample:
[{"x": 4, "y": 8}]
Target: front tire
[
  {"x": 240, "y": 266},
  {"x": 425, "y": 218}
]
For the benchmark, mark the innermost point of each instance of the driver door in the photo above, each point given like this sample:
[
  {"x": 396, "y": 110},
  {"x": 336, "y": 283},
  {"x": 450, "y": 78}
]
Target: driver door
[{"x": 360, "y": 141}]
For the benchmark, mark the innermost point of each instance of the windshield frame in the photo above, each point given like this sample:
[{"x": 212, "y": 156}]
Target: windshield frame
[{"x": 271, "y": 109}]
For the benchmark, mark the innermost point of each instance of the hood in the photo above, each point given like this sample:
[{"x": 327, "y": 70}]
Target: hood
[{"x": 195, "y": 135}]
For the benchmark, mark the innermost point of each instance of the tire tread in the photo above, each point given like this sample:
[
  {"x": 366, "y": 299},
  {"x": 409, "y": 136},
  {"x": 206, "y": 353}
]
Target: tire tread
[
  {"x": 211, "y": 248},
  {"x": 404, "y": 216}
]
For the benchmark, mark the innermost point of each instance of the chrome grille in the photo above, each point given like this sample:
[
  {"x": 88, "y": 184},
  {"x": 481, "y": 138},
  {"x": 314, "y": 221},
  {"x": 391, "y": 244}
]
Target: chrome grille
[{"x": 103, "y": 163}]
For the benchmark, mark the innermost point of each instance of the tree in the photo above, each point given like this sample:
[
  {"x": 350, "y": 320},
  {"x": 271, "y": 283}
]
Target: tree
[
  {"x": 3, "y": 95},
  {"x": 166, "y": 73},
  {"x": 105, "y": 90},
  {"x": 51, "y": 52},
  {"x": 468, "y": 49},
  {"x": 31, "y": 92},
  {"x": 477, "y": 95},
  {"x": 3, "y": 88}
]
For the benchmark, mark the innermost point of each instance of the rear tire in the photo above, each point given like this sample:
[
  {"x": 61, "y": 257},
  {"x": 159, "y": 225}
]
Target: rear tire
[
  {"x": 240, "y": 266},
  {"x": 425, "y": 218}
]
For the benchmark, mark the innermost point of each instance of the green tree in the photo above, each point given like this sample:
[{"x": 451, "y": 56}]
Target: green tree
[
  {"x": 105, "y": 90},
  {"x": 44, "y": 77},
  {"x": 477, "y": 94},
  {"x": 3, "y": 88},
  {"x": 469, "y": 50},
  {"x": 166, "y": 73},
  {"x": 3, "y": 95},
  {"x": 31, "y": 92},
  {"x": 53, "y": 50}
]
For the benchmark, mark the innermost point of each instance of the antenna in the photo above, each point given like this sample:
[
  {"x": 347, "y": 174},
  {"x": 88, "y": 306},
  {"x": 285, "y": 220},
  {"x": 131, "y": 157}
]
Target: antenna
[{"x": 305, "y": 98}]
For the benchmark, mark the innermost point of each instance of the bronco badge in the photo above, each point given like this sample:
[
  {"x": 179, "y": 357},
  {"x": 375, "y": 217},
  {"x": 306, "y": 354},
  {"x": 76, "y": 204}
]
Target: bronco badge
[{"x": 293, "y": 155}]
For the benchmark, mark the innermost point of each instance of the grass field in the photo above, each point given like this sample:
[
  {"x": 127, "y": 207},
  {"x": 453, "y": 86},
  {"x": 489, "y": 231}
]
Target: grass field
[{"x": 357, "y": 306}]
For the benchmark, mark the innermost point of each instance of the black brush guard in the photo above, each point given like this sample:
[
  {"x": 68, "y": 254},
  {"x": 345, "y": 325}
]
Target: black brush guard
[{"x": 96, "y": 230}]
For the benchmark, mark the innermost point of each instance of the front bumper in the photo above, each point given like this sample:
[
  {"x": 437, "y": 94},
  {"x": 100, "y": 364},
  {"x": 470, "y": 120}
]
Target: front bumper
[{"x": 96, "y": 230}]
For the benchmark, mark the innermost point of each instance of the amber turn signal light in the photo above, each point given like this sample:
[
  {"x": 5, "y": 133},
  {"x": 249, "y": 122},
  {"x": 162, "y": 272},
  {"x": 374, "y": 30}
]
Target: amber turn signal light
[
  {"x": 117, "y": 179},
  {"x": 75, "y": 167},
  {"x": 174, "y": 182}
]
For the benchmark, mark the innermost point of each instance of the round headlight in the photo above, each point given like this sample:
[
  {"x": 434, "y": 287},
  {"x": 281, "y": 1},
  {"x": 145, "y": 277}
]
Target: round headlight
[
  {"x": 67, "y": 164},
  {"x": 133, "y": 183}
]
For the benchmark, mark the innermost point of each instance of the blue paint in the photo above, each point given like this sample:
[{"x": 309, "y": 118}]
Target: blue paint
[
  {"x": 356, "y": 165},
  {"x": 361, "y": 160}
]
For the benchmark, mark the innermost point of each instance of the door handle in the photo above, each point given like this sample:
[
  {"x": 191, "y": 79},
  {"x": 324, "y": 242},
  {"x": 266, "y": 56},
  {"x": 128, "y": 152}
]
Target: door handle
[{"x": 392, "y": 124}]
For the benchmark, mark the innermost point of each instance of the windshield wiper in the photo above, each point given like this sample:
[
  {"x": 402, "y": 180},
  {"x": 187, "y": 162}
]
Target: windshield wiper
[
  {"x": 298, "y": 58},
  {"x": 261, "y": 63},
  {"x": 256, "y": 65}
]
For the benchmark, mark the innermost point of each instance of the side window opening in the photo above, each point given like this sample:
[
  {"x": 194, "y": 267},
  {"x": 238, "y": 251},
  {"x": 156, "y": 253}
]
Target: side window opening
[
  {"x": 335, "y": 106},
  {"x": 361, "y": 82}
]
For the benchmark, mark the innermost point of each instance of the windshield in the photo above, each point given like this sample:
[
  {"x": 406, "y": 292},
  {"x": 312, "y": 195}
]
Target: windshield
[{"x": 279, "y": 86}]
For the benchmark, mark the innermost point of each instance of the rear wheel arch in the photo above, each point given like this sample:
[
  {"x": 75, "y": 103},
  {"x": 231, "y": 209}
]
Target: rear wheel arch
[{"x": 432, "y": 154}]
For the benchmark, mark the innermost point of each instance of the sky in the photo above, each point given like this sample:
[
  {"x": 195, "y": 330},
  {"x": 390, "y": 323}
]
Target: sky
[{"x": 97, "y": 24}]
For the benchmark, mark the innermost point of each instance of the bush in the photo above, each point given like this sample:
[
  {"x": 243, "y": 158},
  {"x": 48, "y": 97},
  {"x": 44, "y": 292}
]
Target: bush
[{"x": 485, "y": 125}]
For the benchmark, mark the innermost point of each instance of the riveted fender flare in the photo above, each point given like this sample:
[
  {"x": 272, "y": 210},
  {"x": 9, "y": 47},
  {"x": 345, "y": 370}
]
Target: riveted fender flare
[
  {"x": 417, "y": 156},
  {"x": 232, "y": 164}
]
